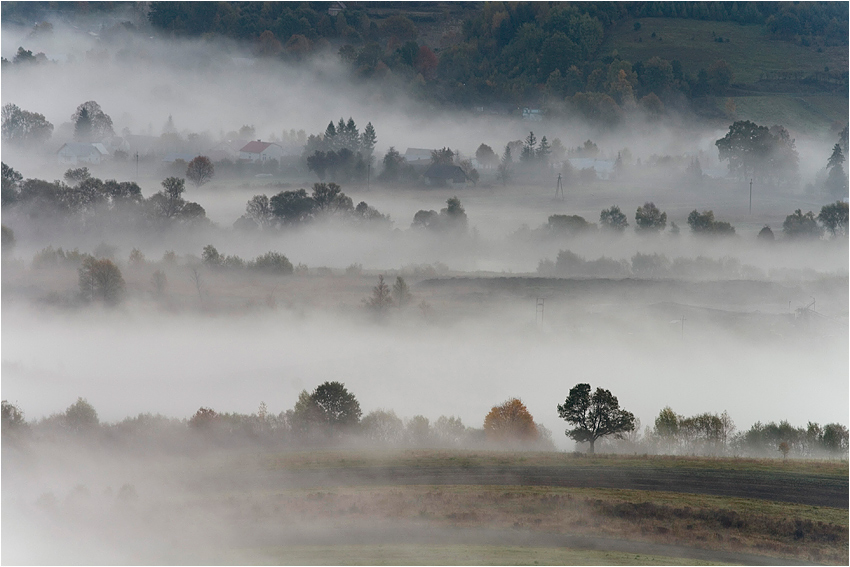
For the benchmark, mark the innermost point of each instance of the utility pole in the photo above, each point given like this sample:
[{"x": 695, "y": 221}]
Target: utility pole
[
  {"x": 751, "y": 196},
  {"x": 683, "y": 327},
  {"x": 137, "y": 166},
  {"x": 559, "y": 188}
]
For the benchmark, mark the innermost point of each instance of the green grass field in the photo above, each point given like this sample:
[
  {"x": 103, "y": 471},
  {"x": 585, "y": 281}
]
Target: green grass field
[
  {"x": 749, "y": 51},
  {"x": 445, "y": 555}
]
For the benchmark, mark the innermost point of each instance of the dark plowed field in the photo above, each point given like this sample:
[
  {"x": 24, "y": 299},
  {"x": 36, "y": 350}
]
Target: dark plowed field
[{"x": 807, "y": 489}]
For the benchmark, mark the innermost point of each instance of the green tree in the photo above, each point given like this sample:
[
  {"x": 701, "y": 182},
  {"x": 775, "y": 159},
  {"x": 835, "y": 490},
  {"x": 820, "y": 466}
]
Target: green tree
[
  {"x": 8, "y": 241},
  {"x": 91, "y": 124},
  {"x": 594, "y": 415},
  {"x": 211, "y": 257},
  {"x": 381, "y": 298},
  {"x": 401, "y": 292},
  {"x": 529, "y": 148},
  {"x": 292, "y": 207},
  {"x": 506, "y": 166},
  {"x": 747, "y": 147},
  {"x": 24, "y": 128},
  {"x": 338, "y": 408},
  {"x": 273, "y": 263},
  {"x": 486, "y": 156},
  {"x": 799, "y": 225},
  {"x": 834, "y": 218},
  {"x": 101, "y": 279},
  {"x": 367, "y": 142},
  {"x": 169, "y": 202},
  {"x": 613, "y": 219},
  {"x": 442, "y": 156},
  {"x": 704, "y": 223},
  {"x": 649, "y": 218},
  {"x": 12, "y": 418},
  {"x": 259, "y": 210},
  {"x": 11, "y": 181},
  {"x": 454, "y": 215},
  {"x": 81, "y": 417}
]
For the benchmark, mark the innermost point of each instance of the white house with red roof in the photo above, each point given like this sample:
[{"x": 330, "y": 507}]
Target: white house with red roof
[{"x": 259, "y": 152}]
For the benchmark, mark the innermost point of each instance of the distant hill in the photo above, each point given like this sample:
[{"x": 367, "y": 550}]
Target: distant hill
[{"x": 764, "y": 61}]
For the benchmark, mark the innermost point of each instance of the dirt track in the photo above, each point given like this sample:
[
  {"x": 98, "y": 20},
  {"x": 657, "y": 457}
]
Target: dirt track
[{"x": 775, "y": 485}]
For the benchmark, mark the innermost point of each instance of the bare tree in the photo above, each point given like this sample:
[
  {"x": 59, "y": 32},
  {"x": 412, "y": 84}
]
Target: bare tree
[{"x": 195, "y": 277}]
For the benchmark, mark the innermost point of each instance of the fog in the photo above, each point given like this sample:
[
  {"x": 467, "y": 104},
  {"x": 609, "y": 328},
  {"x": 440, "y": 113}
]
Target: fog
[{"x": 757, "y": 329}]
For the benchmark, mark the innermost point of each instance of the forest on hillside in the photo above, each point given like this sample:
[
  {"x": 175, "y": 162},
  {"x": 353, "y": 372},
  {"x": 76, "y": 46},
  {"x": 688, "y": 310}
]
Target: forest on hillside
[{"x": 495, "y": 56}]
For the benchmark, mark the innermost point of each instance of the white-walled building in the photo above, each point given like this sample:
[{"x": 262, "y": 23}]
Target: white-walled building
[
  {"x": 259, "y": 152},
  {"x": 73, "y": 153}
]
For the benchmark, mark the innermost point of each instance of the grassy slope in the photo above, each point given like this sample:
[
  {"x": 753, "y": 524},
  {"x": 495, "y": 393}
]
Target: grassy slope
[
  {"x": 447, "y": 555},
  {"x": 661, "y": 517},
  {"x": 750, "y": 53},
  {"x": 432, "y": 458}
]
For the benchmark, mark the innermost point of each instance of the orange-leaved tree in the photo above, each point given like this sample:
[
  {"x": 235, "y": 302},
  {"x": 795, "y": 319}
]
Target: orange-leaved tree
[{"x": 510, "y": 421}]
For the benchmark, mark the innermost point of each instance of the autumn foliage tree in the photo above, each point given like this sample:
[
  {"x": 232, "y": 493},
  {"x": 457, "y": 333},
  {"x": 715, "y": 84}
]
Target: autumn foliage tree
[
  {"x": 200, "y": 171},
  {"x": 510, "y": 422}
]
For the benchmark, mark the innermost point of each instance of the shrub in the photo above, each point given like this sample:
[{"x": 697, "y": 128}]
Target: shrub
[{"x": 273, "y": 263}]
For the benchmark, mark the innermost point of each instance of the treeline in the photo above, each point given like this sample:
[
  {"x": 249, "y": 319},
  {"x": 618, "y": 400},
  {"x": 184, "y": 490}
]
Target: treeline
[
  {"x": 331, "y": 415},
  {"x": 89, "y": 203},
  {"x": 506, "y": 52},
  {"x": 713, "y": 434},
  {"x": 649, "y": 219}
]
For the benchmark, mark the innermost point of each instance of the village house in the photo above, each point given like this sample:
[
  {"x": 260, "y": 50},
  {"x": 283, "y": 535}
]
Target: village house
[
  {"x": 73, "y": 153},
  {"x": 259, "y": 152}
]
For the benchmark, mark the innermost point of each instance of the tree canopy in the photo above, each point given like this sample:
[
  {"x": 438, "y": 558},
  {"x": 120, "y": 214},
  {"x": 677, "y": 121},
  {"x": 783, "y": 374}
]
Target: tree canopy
[{"x": 594, "y": 415}]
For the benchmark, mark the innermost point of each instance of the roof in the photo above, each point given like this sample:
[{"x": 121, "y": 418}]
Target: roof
[
  {"x": 417, "y": 154},
  {"x": 445, "y": 171},
  {"x": 256, "y": 147},
  {"x": 80, "y": 149}
]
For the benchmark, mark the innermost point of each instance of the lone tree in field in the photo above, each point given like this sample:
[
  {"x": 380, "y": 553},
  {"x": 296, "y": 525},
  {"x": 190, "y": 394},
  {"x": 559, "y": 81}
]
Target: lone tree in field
[
  {"x": 510, "y": 421},
  {"x": 594, "y": 415},
  {"x": 200, "y": 171}
]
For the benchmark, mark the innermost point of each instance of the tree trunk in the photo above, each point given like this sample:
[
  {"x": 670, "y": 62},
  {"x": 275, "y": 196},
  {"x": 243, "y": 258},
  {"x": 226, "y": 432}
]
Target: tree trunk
[{"x": 590, "y": 451}]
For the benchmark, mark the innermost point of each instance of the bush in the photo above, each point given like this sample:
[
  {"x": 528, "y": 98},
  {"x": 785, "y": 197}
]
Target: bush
[{"x": 273, "y": 263}]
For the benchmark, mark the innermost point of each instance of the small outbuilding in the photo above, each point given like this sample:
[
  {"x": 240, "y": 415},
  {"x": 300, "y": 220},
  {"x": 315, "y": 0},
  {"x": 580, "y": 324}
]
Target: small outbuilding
[{"x": 440, "y": 174}]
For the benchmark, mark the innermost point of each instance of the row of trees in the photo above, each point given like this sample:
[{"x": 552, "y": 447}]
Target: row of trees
[
  {"x": 293, "y": 208},
  {"x": 90, "y": 202},
  {"x": 331, "y": 413},
  {"x": 649, "y": 219}
]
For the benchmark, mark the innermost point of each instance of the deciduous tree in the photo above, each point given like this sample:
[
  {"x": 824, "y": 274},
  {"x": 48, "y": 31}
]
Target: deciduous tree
[
  {"x": 200, "y": 171},
  {"x": 834, "y": 218},
  {"x": 649, "y": 218},
  {"x": 24, "y": 128},
  {"x": 101, "y": 279},
  {"x": 510, "y": 421},
  {"x": 594, "y": 415},
  {"x": 613, "y": 219}
]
